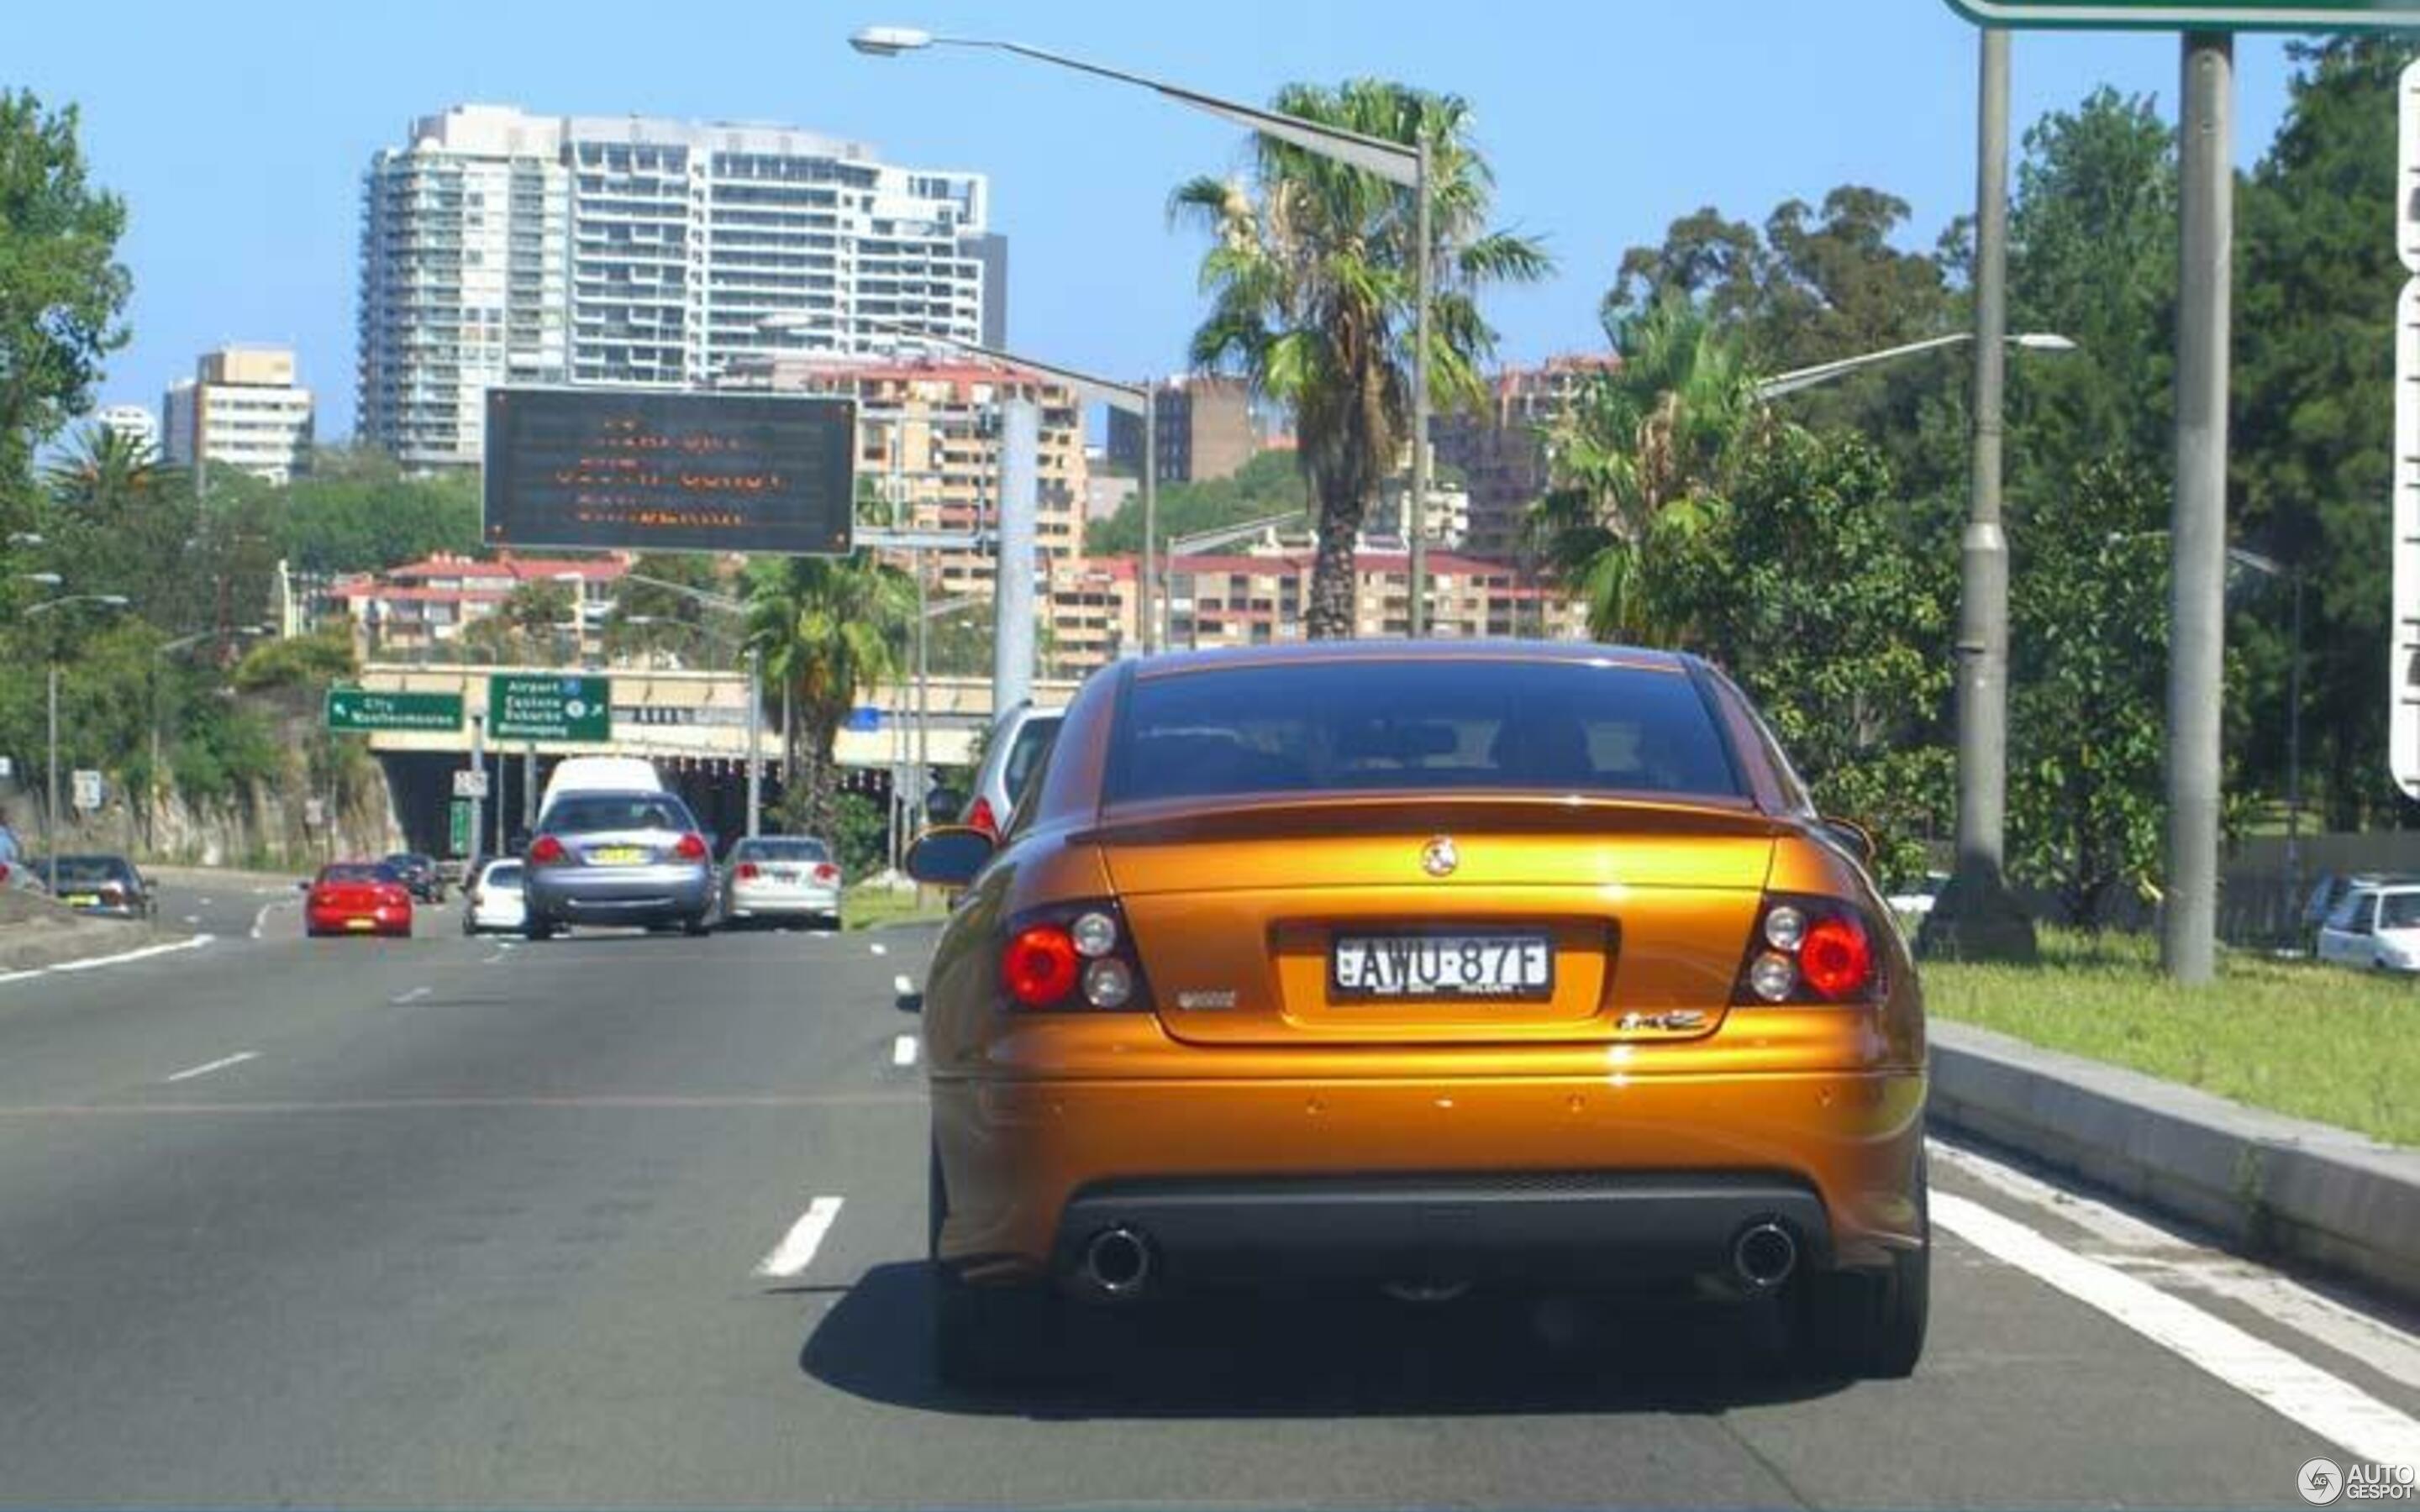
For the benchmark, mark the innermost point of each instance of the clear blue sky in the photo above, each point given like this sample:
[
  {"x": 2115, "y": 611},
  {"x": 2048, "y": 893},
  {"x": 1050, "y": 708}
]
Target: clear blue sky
[{"x": 238, "y": 132}]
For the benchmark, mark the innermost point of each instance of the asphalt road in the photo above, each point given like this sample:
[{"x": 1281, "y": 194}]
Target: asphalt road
[{"x": 448, "y": 1221}]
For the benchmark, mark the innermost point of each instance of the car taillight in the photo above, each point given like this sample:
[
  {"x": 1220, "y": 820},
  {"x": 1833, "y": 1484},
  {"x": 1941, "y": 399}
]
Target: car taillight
[
  {"x": 547, "y": 851},
  {"x": 1809, "y": 949},
  {"x": 690, "y": 848},
  {"x": 1072, "y": 957},
  {"x": 4, "y": 872},
  {"x": 393, "y": 895},
  {"x": 828, "y": 874},
  {"x": 979, "y": 816},
  {"x": 748, "y": 871}
]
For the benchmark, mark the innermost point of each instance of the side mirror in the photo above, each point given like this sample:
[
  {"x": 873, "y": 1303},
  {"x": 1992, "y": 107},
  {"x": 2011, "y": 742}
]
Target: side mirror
[
  {"x": 1854, "y": 838},
  {"x": 949, "y": 856},
  {"x": 942, "y": 807}
]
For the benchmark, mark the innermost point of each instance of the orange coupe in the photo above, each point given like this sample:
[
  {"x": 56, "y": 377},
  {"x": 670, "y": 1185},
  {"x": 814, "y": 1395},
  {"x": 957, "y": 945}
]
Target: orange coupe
[{"x": 1421, "y": 967}]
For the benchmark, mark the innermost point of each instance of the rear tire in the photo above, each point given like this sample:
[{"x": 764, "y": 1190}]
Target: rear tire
[
  {"x": 1868, "y": 1324},
  {"x": 537, "y": 930},
  {"x": 698, "y": 928},
  {"x": 982, "y": 1336}
]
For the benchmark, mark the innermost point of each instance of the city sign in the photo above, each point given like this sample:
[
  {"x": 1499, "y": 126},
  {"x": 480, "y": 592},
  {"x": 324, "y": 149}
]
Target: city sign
[
  {"x": 458, "y": 827},
  {"x": 358, "y": 711},
  {"x": 644, "y": 470},
  {"x": 470, "y": 782},
  {"x": 549, "y": 706},
  {"x": 2204, "y": 16}
]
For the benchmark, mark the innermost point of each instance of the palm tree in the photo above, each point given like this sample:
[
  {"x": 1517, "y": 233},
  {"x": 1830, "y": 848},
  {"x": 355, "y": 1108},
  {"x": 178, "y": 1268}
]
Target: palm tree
[
  {"x": 1311, "y": 273},
  {"x": 1644, "y": 449},
  {"x": 828, "y": 629},
  {"x": 116, "y": 514}
]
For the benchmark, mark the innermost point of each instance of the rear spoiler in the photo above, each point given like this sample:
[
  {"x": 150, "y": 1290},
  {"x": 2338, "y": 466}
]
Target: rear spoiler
[{"x": 1274, "y": 815}]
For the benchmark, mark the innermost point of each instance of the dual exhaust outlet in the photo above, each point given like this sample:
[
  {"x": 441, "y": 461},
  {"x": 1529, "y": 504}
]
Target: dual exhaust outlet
[{"x": 1117, "y": 1261}]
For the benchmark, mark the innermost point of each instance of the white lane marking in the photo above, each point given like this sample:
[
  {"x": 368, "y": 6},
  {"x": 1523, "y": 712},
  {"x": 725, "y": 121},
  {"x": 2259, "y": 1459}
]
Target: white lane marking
[
  {"x": 903, "y": 986},
  {"x": 496, "y": 959},
  {"x": 879, "y": 948},
  {"x": 193, "y": 918},
  {"x": 797, "y": 1250},
  {"x": 260, "y": 920},
  {"x": 902, "y": 1050},
  {"x": 2341, "y": 1414},
  {"x": 206, "y": 903},
  {"x": 221, "y": 1064},
  {"x": 412, "y": 996},
  {"x": 2148, "y": 1250},
  {"x": 146, "y": 954}
]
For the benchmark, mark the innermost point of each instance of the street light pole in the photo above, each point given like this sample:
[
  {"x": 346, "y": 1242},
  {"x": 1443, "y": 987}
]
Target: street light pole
[
  {"x": 1416, "y": 622},
  {"x": 51, "y": 777},
  {"x": 755, "y": 738},
  {"x": 1976, "y": 917}
]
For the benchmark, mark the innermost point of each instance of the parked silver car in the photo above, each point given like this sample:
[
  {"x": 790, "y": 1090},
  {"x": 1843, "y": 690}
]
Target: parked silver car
[
  {"x": 617, "y": 858},
  {"x": 781, "y": 879},
  {"x": 15, "y": 871},
  {"x": 1019, "y": 741}
]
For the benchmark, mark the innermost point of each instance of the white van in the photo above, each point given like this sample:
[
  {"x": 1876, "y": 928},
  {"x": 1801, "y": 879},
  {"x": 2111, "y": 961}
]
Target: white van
[{"x": 600, "y": 774}]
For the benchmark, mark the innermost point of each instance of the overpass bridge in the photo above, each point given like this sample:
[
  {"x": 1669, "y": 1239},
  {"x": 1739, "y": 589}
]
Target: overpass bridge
[{"x": 691, "y": 722}]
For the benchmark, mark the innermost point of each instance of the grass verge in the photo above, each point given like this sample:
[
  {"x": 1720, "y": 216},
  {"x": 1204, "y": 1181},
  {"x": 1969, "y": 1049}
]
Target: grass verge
[
  {"x": 863, "y": 907},
  {"x": 2315, "y": 1041}
]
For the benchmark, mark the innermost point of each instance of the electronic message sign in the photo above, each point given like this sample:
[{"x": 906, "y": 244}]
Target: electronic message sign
[{"x": 650, "y": 471}]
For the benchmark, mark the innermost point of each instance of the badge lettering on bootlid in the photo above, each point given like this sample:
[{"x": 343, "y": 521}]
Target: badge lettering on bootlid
[
  {"x": 1438, "y": 857},
  {"x": 1221, "y": 997}
]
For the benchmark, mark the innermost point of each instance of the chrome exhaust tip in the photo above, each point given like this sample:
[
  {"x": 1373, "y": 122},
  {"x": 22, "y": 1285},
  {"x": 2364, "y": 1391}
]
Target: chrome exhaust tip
[
  {"x": 1763, "y": 1255},
  {"x": 1117, "y": 1262}
]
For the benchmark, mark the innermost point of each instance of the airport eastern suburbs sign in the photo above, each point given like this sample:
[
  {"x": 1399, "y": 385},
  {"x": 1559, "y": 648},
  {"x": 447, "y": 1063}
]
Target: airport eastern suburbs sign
[
  {"x": 648, "y": 471},
  {"x": 2207, "y": 16}
]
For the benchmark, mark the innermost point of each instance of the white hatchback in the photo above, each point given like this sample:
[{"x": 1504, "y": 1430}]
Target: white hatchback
[
  {"x": 2374, "y": 927},
  {"x": 493, "y": 902}
]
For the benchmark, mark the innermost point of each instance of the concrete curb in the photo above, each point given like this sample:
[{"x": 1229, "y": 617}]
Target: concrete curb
[
  {"x": 2270, "y": 1183},
  {"x": 40, "y": 947}
]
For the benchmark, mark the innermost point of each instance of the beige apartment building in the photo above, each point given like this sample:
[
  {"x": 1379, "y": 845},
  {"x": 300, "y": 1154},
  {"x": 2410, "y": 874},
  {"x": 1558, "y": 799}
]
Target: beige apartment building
[
  {"x": 929, "y": 455},
  {"x": 1500, "y": 451},
  {"x": 242, "y": 410},
  {"x": 1203, "y": 427}
]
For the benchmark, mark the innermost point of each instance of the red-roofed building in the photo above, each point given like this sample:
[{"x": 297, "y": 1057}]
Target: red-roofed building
[{"x": 428, "y": 603}]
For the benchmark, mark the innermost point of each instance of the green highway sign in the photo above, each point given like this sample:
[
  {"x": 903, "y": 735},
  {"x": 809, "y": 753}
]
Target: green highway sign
[
  {"x": 548, "y": 706},
  {"x": 360, "y": 711},
  {"x": 458, "y": 828},
  {"x": 2204, "y": 16}
]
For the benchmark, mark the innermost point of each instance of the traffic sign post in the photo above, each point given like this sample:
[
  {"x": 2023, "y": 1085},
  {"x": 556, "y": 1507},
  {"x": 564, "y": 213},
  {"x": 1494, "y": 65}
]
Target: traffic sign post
[
  {"x": 88, "y": 789},
  {"x": 361, "y": 711},
  {"x": 459, "y": 827},
  {"x": 548, "y": 706},
  {"x": 2194, "y": 15}
]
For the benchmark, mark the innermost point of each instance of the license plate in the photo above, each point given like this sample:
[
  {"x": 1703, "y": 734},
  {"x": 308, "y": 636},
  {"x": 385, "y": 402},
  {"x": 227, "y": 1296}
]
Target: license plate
[
  {"x": 617, "y": 855},
  {"x": 1445, "y": 965},
  {"x": 83, "y": 900},
  {"x": 784, "y": 873},
  {"x": 361, "y": 923}
]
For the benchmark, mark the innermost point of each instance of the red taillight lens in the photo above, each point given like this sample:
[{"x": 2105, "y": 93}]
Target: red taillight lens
[
  {"x": 690, "y": 848},
  {"x": 828, "y": 874},
  {"x": 979, "y": 816},
  {"x": 748, "y": 871},
  {"x": 1039, "y": 966},
  {"x": 546, "y": 851},
  {"x": 4, "y": 871},
  {"x": 1837, "y": 959}
]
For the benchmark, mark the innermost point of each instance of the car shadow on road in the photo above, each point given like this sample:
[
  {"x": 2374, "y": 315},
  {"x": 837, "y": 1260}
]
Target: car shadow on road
[{"x": 1332, "y": 1357}]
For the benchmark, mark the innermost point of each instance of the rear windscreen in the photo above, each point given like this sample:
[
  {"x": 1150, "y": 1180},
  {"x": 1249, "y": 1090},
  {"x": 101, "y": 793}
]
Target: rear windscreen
[
  {"x": 1418, "y": 727},
  {"x": 783, "y": 850},
  {"x": 1032, "y": 743},
  {"x": 591, "y": 813}
]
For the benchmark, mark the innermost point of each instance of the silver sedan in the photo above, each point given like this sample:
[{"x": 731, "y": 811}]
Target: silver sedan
[
  {"x": 617, "y": 858},
  {"x": 781, "y": 879}
]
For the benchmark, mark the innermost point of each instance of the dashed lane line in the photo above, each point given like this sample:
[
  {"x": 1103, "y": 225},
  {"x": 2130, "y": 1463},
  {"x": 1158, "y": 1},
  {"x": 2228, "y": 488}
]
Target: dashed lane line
[
  {"x": 412, "y": 996},
  {"x": 209, "y": 1066},
  {"x": 902, "y": 1050},
  {"x": 2334, "y": 1410},
  {"x": 797, "y": 1250}
]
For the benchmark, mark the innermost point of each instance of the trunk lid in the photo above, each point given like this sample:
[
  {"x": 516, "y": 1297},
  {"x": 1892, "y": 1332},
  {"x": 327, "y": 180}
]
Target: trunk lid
[{"x": 1364, "y": 919}]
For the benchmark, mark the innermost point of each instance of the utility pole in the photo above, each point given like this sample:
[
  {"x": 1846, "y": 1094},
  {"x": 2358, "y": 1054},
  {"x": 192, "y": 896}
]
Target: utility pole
[
  {"x": 1020, "y": 485},
  {"x": 1417, "y": 604},
  {"x": 479, "y": 764},
  {"x": 755, "y": 742},
  {"x": 2197, "y": 524},
  {"x": 1976, "y": 916},
  {"x": 51, "y": 775}
]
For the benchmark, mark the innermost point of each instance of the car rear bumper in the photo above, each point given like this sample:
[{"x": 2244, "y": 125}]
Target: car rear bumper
[
  {"x": 382, "y": 921},
  {"x": 636, "y": 895},
  {"x": 784, "y": 902},
  {"x": 1549, "y": 1177}
]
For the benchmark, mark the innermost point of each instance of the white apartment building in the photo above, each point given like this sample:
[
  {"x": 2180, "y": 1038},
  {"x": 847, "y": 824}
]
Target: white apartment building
[
  {"x": 505, "y": 247},
  {"x": 133, "y": 422},
  {"x": 242, "y": 409}
]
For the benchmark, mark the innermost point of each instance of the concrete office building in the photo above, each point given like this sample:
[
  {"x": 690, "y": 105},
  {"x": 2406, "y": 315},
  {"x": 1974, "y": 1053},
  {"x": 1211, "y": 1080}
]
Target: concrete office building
[
  {"x": 242, "y": 410},
  {"x": 1205, "y": 430},
  {"x": 502, "y": 247},
  {"x": 1500, "y": 451}
]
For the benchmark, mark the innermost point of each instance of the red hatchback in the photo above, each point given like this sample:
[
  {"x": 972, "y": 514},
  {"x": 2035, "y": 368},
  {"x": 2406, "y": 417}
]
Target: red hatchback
[{"x": 357, "y": 898}]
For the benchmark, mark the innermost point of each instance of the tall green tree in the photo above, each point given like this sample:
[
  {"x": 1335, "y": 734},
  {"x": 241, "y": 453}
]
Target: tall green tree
[
  {"x": 2314, "y": 414},
  {"x": 1635, "y": 462},
  {"x": 115, "y": 520},
  {"x": 1311, "y": 272},
  {"x": 829, "y": 629},
  {"x": 357, "y": 512},
  {"x": 1796, "y": 583},
  {"x": 62, "y": 288}
]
